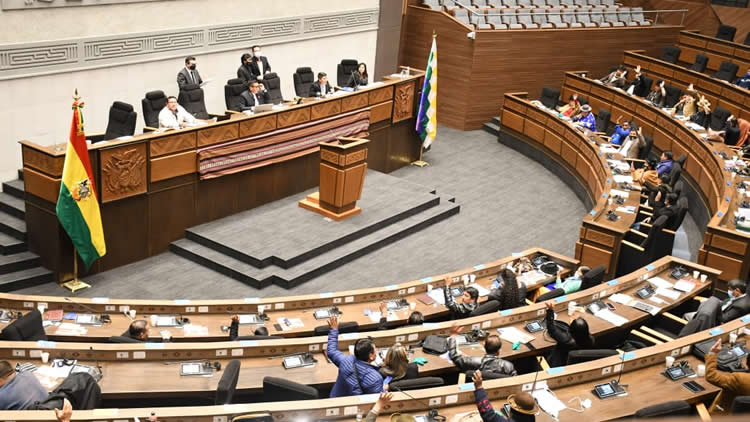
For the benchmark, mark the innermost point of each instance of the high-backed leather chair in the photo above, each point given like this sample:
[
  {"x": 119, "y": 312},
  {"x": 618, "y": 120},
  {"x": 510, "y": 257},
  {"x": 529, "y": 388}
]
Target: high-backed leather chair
[
  {"x": 701, "y": 61},
  {"x": 550, "y": 97},
  {"x": 670, "y": 54},
  {"x": 344, "y": 327},
  {"x": 682, "y": 209},
  {"x": 673, "y": 95},
  {"x": 486, "y": 308},
  {"x": 581, "y": 356},
  {"x": 594, "y": 277},
  {"x": 121, "y": 122},
  {"x": 228, "y": 383},
  {"x": 303, "y": 78},
  {"x": 232, "y": 91},
  {"x": 602, "y": 120},
  {"x": 740, "y": 405},
  {"x": 747, "y": 39},
  {"x": 281, "y": 389},
  {"x": 726, "y": 33},
  {"x": 272, "y": 83},
  {"x": 151, "y": 105},
  {"x": 727, "y": 71},
  {"x": 550, "y": 295},
  {"x": 417, "y": 383},
  {"x": 344, "y": 71},
  {"x": 192, "y": 99},
  {"x": 27, "y": 328},
  {"x": 718, "y": 118}
]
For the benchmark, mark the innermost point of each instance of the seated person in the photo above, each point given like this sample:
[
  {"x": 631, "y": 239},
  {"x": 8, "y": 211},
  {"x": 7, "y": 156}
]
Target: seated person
[
  {"x": 572, "y": 284},
  {"x": 661, "y": 190},
  {"x": 631, "y": 147},
  {"x": 621, "y": 132},
  {"x": 738, "y": 304},
  {"x": 357, "y": 375},
  {"x": 666, "y": 207},
  {"x": 666, "y": 163},
  {"x": 578, "y": 338},
  {"x": 586, "y": 118},
  {"x": 743, "y": 138},
  {"x": 255, "y": 95},
  {"x": 396, "y": 366},
  {"x": 138, "y": 330},
  {"x": 415, "y": 318},
  {"x": 728, "y": 134},
  {"x": 732, "y": 384},
  {"x": 19, "y": 391},
  {"x": 321, "y": 87},
  {"x": 658, "y": 95},
  {"x": 490, "y": 362},
  {"x": 358, "y": 77},
  {"x": 379, "y": 405},
  {"x": 572, "y": 108},
  {"x": 523, "y": 406},
  {"x": 615, "y": 79},
  {"x": 174, "y": 116},
  {"x": 744, "y": 80},
  {"x": 646, "y": 174},
  {"x": 468, "y": 301},
  {"x": 703, "y": 115},
  {"x": 636, "y": 87},
  {"x": 511, "y": 293},
  {"x": 687, "y": 106}
]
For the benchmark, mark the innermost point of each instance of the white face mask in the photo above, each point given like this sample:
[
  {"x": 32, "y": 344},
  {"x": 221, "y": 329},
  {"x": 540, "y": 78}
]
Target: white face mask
[
  {"x": 730, "y": 293},
  {"x": 257, "y": 54}
]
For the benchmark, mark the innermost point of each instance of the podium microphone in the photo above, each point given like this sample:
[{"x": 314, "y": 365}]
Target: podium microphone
[
  {"x": 102, "y": 316},
  {"x": 432, "y": 416}
]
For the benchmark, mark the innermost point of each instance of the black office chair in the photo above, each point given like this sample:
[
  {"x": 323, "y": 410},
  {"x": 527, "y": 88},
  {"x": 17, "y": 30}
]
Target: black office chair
[
  {"x": 682, "y": 209},
  {"x": 344, "y": 71},
  {"x": 344, "y": 327},
  {"x": 487, "y": 375},
  {"x": 645, "y": 86},
  {"x": 123, "y": 339},
  {"x": 670, "y": 408},
  {"x": 121, "y": 123},
  {"x": 701, "y": 61},
  {"x": 228, "y": 383},
  {"x": 232, "y": 91},
  {"x": 747, "y": 39},
  {"x": 27, "y": 328},
  {"x": 241, "y": 338},
  {"x": 281, "y": 389},
  {"x": 678, "y": 188},
  {"x": 192, "y": 99},
  {"x": 151, "y": 106},
  {"x": 727, "y": 71},
  {"x": 272, "y": 83},
  {"x": 253, "y": 417},
  {"x": 675, "y": 174},
  {"x": 718, "y": 118},
  {"x": 673, "y": 95},
  {"x": 740, "y": 405},
  {"x": 638, "y": 249},
  {"x": 550, "y": 295},
  {"x": 581, "y": 356},
  {"x": 646, "y": 150},
  {"x": 550, "y": 97},
  {"x": 594, "y": 277},
  {"x": 602, "y": 120},
  {"x": 726, "y": 33},
  {"x": 670, "y": 54},
  {"x": 486, "y": 308},
  {"x": 583, "y": 100},
  {"x": 303, "y": 79},
  {"x": 417, "y": 383}
]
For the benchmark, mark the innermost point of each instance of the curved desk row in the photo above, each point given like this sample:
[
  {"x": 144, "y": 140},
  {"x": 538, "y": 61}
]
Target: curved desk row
[
  {"x": 692, "y": 43},
  {"x": 724, "y": 246},
  {"x": 720, "y": 93},
  {"x": 212, "y": 314},
  {"x": 154, "y": 186},
  {"x": 640, "y": 370},
  {"x": 124, "y": 364}
]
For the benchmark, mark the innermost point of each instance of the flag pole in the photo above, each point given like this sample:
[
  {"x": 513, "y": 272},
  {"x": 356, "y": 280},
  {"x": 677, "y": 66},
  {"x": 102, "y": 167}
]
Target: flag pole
[
  {"x": 75, "y": 284},
  {"x": 420, "y": 162}
]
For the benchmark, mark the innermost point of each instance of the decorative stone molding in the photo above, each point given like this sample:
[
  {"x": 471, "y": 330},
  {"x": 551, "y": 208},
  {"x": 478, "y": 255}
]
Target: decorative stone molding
[
  {"x": 46, "y": 4},
  {"x": 32, "y": 59}
]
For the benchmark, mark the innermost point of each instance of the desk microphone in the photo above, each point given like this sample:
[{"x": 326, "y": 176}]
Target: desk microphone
[
  {"x": 619, "y": 389},
  {"x": 433, "y": 414},
  {"x": 536, "y": 375},
  {"x": 96, "y": 362},
  {"x": 102, "y": 317}
]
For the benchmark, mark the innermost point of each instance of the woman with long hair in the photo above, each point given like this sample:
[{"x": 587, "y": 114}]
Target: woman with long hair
[
  {"x": 396, "y": 365},
  {"x": 359, "y": 76}
]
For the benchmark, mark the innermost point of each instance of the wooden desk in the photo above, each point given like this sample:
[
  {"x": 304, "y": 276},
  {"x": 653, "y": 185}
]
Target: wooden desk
[
  {"x": 155, "y": 185},
  {"x": 574, "y": 380},
  {"x": 724, "y": 247},
  {"x": 215, "y": 313},
  {"x": 122, "y": 362},
  {"x": 692, "y": 43}
]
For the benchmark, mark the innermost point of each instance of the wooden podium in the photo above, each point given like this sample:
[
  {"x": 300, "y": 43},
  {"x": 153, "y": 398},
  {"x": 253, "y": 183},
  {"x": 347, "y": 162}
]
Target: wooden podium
[{"x": 343, "y": 164}]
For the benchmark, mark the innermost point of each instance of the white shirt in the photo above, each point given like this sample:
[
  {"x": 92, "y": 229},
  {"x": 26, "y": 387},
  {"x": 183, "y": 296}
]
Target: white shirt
[
  {"x": 626, "y": 146},
  {"x": 169, "y": 119}
]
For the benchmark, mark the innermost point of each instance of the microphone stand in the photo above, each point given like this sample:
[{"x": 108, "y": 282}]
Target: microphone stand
[
  {"x": 433, "y": 414},
  {"x": 102, "y": 316}
]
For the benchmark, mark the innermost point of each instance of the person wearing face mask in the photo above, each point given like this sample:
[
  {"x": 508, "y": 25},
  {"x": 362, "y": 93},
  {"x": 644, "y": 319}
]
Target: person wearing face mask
[
  {"x": 244, "y": 72},
  {"x": 189, "y": 74},
  {"x": 738, "y": 304},
  {"x": 259, "y": 64}
]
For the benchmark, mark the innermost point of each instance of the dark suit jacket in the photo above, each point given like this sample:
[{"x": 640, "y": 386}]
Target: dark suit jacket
[
  {"x": 248, "y": 102},
  {"x": 738, "y": 308},
  {"x": 256, "y": 70},
  {"x": 245, "y": 73},
  {"x": 355, "y": 79},
  {"x": 315, "y": 88},
  {"x": 619, "y": 82},
  {"x": 661, "y": 209},
  {"x": 183, "y": 78}
]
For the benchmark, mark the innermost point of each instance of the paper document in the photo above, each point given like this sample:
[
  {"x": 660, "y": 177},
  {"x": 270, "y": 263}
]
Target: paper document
[
  {"x": 437, "y": 295},
  {"x": 70, "y": 329},
  {"x": 645, "y": 307},
  {"x": 621, "y": 298},
  {"x": 668, "y": 293},
  {"x": 533, "y": 277},
  {"x": 290, "y": 323},
  {"x": 548, "y": 402},
  {"x": 192, "y": 330},
  {"x": 617, "y": 192},
  {"x": 744, "y": 212},
  {"x": 206, "y": 82},
  {"x": 659, "y": 282},
  {"x": 611, "y": 317},
  {"x": 482, "y": 291},
  {"x": 630, "y": 209},
  {"x": 514, "y": 335},
  {"x": 623, "y": 178},
  {"x": 375, "y": 316},
  {"x": 608, "y": 148},
  {"x": 250, "y": 319},
  {"x": 684, "y": 286},
  {"x": 54, "y": 372},
  {"x": 656, "y": 300}
]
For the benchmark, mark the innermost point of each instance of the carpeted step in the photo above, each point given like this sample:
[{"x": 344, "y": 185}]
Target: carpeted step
[
  {"x": 15, "y": 188},
  {"x": 25, "y": 278},
  {"x": 18, "y": 261},
  {"x": 13, "y": 226},
  {"x": 11, "y": 245},
  {"x": 12, "y": 205}
]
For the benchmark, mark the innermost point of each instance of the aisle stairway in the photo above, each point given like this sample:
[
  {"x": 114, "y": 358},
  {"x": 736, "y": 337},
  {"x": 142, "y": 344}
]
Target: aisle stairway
[
  {"x": 18, "y": 267},
  {"x": 493, "y": 126}
]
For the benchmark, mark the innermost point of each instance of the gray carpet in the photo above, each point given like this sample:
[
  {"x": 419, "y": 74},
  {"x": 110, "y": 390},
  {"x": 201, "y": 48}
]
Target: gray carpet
[{"x": 508, "y": 203}]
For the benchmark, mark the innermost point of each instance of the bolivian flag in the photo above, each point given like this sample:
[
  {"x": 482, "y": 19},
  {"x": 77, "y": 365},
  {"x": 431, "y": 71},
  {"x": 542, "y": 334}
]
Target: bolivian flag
[{"x": 77, "y": 206}]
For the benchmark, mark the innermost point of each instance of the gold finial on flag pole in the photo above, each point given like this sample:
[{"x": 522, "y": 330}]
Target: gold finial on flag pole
[{"x": 434, "y": 34}]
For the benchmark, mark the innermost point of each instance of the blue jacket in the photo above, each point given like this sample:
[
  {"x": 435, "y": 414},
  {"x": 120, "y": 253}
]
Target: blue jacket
[
  {"x": 346, "y": 382},
  {"x": 619, "y": 135},
  {"x": 588, "y": 121},
  {"x": 744, "y": 81},
  {"x": 664, "y": 167}
]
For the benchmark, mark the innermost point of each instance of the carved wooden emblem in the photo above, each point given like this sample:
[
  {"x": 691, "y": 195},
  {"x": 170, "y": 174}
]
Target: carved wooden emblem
[
  {"x": 123, "y": 172},
  {"x": 403, "y": 102}
]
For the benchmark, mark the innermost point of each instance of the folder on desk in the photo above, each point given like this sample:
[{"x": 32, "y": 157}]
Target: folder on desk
[{"x": 425, "y": 298}]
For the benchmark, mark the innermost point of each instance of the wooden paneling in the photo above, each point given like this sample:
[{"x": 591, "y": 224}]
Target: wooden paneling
[
  {"x": 293, "y": 117},
  {"x": 328, "y": 108},
  {"x": 381, "y": 112},
  {"x": 731, "y": 268},
  {"x": 258, "y": 125},
  {"x": 513, "y": 120},
  {"x": 380, "y": 95},
  {"x": 534, "y": 130},
  {"x": 736, "y": 17},
  {"x": 218, "y": 134},
  {"x": 353, "y": 102},
  {"x": 41, "y": 185},
  {"x": 122, "y": 172},
  {"x": 600, "y": 237},
  {"x": 592, "y": 256},
  {"x": 730, "y": 245},
  {"x": 44, "y": 163},
  {"x": 171, "y": 144},
  {"x": 173, "y": 166}
]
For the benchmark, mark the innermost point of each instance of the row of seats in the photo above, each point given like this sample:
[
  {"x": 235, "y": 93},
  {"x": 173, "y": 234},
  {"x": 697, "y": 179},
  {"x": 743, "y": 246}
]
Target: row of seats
[
  {"x": 499, "y": 4},
  {"x": 727, "y": 70},
  {"x": 727, "y": 33},
  {"x": 552, "y": 18}
]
